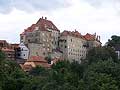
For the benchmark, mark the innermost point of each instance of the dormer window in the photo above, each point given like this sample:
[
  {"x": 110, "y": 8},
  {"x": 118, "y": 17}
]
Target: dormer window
[
  {"x": 43, "y": 34},
  {"x": 45, "y": 26},
  {"x": 36, "y": 28},
  {"x": 52, "y": 27}
]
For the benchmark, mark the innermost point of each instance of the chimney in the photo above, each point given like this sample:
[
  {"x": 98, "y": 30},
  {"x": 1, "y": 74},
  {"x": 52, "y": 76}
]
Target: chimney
[
  {"x": 99, "y": 38},
  {"x": 75, "y": 30},
  {"x": 45, "y": 18},
  {"x": 42, "y": 17}
]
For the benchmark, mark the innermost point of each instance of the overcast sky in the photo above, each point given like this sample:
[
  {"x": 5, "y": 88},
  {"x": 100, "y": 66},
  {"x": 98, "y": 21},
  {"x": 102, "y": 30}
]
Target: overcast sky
[{"x": 86, "y": 16}]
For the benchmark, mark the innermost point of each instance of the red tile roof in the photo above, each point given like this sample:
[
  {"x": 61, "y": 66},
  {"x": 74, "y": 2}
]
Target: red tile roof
[
  {"x": 7, "y": 50},
  {"x": 90, "y": 37},
  {"x": 73, "y": 33},
  {"x": 42, "y": 24},
  {"x": 23, "y": 33},
  {"x": 14, "y": 45},
  {"x": 26, "y": 67},
  {"x": 29, "y": 29},
  {"x": 3, "y": 41},
  {"x": 36, "y": 59}
]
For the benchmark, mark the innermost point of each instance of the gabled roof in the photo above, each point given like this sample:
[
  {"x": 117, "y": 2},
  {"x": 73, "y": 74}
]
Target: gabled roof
[
  {"x": 36, "y": 59},
  {"x": 3, "y": 41},
  {"x": 14, "y": 45},
  {"x": 29, "y": 29},
  {"x": 26, "y": 67},
  {"x": 90, "y": 37},
  {"x": 7, "y": 50},
  {"x": 42, "y": 24},
  {"x": 73, "y": 33}
]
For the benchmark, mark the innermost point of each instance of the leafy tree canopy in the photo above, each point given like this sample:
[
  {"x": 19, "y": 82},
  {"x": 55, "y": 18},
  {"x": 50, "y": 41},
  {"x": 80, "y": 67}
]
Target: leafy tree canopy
[
  {"x": 115, "y": 40},
  {"x": 101, "y": 53}
]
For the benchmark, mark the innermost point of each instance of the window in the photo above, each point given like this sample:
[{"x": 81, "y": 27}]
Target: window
[
  {"x": 21, "y": 37},
  {"x": 36, "y": 28},
  {"x": 18, "y": 54},
  {"x": 69, "y": 53},
  {"x": 44, "y": 53},
  {"x": 52, "y": 27},
  {"x": 65, "y": 46},
  {"x": 28, "y": 40},
  {"x": 22, "y": 49},
  {"x": 36, "y": 40},
  {"x": 24, "y": 54},
  {"x": 65, "y": 41},
  {"x": 71, "y": 40},
  {"x": 9, "y": 54}
]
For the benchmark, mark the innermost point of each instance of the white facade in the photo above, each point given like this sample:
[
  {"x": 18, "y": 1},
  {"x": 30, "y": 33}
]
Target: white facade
[
  {"x": 72, "y": 48},
  {"x": 24, "y": 54}
]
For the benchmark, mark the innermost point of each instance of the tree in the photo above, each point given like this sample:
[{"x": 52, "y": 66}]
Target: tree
[
  {"x": 101, "y": 53},
  {"x": 115, "y": 40},
  {"x": 103, "y": 75},
  {"x": 2, "y": 56},
  {"x": 100, "y": 81},
  {"x": 48, "y": 58},
  {"x": 12, "y": 77},
  {"x": 39, "y": 71}
]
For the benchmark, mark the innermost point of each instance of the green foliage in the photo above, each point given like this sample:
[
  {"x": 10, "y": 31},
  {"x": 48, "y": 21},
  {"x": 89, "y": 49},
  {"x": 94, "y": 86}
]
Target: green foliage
[
  {"x": 37, "y": 71},
  {"x": 2, "y": 56},
  {"x": 100, "y": 71},
  {"x": 101, "y": 53},
  {"x": 103, "y": 75},
  {"x": 48, "y": 58},
  {"x": 115, "y": 40},
  {"x": 11, "y": 75}
]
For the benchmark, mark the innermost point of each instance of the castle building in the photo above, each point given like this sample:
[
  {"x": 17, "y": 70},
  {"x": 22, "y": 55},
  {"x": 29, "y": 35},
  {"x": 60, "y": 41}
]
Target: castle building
[
  {"x": 75, "y": 46},
  {"x": 92, "y": 40},
  {"x": 72, "y": 45},
  {"x": 44, "y": 38},
  {"x": 8, "y": 49},
  {"x": 41, "y": 38},
  {"x": 24, "y": 52}
]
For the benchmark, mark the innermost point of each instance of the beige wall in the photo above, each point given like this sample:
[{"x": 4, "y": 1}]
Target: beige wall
[
  {"x": 92, "y": 44},
  {"x": 36, "y": 50},
  {"x": 22, "y": 38},
  {"x": 55, "y": 35},
  {"x": 72, "y": 48},
  {"x": 39, "y": 40}
]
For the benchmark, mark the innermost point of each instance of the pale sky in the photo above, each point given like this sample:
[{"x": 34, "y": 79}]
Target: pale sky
[{"x": 86, "y": 16}]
